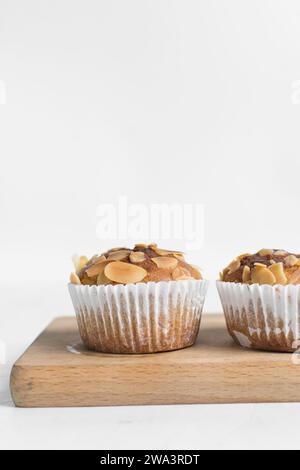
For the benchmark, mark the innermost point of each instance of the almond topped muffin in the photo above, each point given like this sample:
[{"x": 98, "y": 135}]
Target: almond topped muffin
[
  {"x": 259, "y": 293},
  {"x": 267, "y": 266},
  {"x": 143, "y": 263},
  {"x": 144, "y": 299}
]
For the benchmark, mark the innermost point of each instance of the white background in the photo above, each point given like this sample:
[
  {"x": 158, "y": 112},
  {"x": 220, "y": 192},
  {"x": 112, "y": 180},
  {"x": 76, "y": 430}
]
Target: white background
[{"x": 160, "y": 101}]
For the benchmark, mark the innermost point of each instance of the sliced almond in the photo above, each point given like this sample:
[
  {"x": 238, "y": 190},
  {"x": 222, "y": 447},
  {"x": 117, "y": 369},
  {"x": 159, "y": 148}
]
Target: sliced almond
[
  {"x": 97, "y": 268},
  {"x": 74, "y": 279},
  {"x": 124, "y": 273},
  {"x": 246, "y": 276},
  {"x": 295, "y": 277},
  {"x": 102, "y": 279},
  {"x": 164, "y": 252},
  {"x": 265, "y": 252},
  {"x": 278, "y": 271},
  {"x": 153, "y": 246},
  {"x": 261, "y": 275},
  {"x": 137, "y": 256},
  {"x": 83, "y": 260},
  {"x": 260, "y": 265},
  {"x": 181, "y": 274},
  {"x": 165, "y": 262},
  {"x": 118, "y": 255},
  {"x": 291, "y": 260},
  {"x": 140, "y": 245},
  {"x": 233, "y": 266},
  {"x": 280, "y": 252}
]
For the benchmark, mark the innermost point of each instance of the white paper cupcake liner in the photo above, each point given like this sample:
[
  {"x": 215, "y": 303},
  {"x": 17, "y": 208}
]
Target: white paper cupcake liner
[
  {"x": 139, "y": 318},
  {"x": 262, "y": 316}
]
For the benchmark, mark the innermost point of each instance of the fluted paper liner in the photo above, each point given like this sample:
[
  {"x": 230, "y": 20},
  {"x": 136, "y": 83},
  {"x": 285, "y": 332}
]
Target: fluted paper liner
[
  {"x": 262, "y": 316},
  {"x": 139, "y": 318}
]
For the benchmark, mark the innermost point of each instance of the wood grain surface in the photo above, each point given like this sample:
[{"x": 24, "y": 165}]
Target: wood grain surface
[{"x": 56, "y": 370}]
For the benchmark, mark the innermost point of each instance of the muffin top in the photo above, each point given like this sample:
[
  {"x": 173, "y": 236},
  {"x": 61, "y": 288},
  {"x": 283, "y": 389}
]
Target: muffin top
[
  {"x": 267, "y": 266},
  {"x": 143, "y": 263}
]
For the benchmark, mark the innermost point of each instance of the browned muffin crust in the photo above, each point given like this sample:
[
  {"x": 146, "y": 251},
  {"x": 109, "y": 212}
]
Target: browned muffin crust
[
  {"x": 267, "y": 266},
  {"x": 143, "y": 263}
]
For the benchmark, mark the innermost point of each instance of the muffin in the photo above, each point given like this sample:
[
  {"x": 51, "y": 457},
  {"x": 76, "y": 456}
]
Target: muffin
[
  {"x": 260, "y": 295},
  {"x": 139, "y": 300}
]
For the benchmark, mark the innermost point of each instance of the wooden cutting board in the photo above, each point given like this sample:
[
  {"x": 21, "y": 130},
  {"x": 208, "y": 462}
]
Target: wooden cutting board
[{"x": 56, "y": 370}]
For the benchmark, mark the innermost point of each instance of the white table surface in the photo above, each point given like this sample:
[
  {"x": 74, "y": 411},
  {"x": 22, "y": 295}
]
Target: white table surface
[{"x": 25, "y": 311}]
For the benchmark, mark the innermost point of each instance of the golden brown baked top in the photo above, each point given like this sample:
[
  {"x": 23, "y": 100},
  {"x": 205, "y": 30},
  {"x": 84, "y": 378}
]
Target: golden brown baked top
[
  {"x": 267, "y": 266},
  {"x": 143, "y": 263}
]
